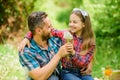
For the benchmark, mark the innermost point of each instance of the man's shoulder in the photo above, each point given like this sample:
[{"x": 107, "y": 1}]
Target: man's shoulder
[{"x": 28, "y": 51}]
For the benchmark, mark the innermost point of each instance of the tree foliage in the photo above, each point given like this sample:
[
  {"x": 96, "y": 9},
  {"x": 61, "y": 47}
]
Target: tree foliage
[
  {"x": 63, "y": 16},
  {"x": 109, "y": 21},
  {"x": 106, "y": 17},
  {"x": 13, "y": 15}
]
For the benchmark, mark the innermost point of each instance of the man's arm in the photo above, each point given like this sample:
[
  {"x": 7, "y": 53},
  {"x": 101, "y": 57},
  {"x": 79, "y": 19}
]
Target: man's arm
[{"x": 42, "y": 73}]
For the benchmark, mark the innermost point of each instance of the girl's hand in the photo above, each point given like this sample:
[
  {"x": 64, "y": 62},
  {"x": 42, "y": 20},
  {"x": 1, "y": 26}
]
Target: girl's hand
[
  {"x": 24, "y": 42},
  {"x": 70, "y": 48},
  {"x": 87, "y": 70}
]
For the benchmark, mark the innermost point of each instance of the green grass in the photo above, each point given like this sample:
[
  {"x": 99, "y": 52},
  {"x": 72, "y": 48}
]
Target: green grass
[
  {"x": 106, "y": 55},
  {"x": 10, "y": 68}
]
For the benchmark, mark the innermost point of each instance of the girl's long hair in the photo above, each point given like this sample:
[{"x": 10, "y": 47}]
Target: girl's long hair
[{"x": 87, "y": 32}]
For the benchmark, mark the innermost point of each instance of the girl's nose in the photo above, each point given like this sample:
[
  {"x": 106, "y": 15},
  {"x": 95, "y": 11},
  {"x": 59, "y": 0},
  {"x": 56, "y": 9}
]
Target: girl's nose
[{"x": 71, "y": 24}]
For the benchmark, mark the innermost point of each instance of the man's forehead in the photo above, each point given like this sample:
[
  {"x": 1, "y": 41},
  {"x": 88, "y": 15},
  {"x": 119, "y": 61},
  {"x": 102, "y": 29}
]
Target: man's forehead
[{"x": 47, "y": 20}]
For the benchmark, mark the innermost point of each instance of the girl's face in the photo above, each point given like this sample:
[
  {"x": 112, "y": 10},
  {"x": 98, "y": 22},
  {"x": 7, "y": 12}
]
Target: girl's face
[{"x": 75, "y": 24}]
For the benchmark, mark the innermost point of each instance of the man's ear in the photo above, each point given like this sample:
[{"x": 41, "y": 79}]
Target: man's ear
[{"x": 38, "y": 30}]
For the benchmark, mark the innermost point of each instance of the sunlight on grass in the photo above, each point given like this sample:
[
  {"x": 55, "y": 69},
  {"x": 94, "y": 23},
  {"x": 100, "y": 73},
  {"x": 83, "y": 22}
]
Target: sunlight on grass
[
  {"x": 107, "y": 55},
  {"x": 10, "y": 69}
]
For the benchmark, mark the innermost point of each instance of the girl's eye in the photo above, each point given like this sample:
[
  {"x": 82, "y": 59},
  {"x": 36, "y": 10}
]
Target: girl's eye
[{"x": 74, "y": 21}]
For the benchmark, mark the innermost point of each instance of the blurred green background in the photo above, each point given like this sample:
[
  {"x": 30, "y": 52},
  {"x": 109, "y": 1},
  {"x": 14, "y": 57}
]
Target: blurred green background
[{"x": 105, "y": 18}]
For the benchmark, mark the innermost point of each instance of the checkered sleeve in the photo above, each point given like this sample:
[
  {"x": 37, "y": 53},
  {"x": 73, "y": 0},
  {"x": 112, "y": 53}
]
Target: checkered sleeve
[
  {"x": 83, "y": 60},
  {"x": 27, "y": 60},
  {"x": 29, "y": 35},
  {"x": 58, "y": 33}
]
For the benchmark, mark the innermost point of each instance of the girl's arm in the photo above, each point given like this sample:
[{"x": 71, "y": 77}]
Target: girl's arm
[
  {"x": 84, "y": 60},
  {"x": 29, "y": 35},
  {"x": 25, "y": 41},
  {"x": 87, "y": 70},
  {"x": 58, "y": 33}
]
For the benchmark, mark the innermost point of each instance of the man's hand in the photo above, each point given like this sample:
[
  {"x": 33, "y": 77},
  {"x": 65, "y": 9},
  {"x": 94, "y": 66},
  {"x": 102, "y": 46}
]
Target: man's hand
[
  {"x": 87, "y": 70},
  {"x": 65, "y": 50},
  {"x": 24, "y": 42},
  {"x": 70, "y": 48}
]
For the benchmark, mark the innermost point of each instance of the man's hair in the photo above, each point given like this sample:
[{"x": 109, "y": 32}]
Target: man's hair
[{"x": 35, "y": 19}]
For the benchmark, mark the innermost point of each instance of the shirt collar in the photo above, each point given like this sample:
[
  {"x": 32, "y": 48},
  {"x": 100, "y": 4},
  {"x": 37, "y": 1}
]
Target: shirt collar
[
  {"x": 80, "y": 38},
  {"x": 35, "y": 46}
]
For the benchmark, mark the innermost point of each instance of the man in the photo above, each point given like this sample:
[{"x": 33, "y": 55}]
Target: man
[{"x": 43, "y": 56}]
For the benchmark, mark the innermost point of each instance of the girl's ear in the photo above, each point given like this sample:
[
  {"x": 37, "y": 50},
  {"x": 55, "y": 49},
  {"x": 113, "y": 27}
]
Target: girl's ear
[{"x": 83, "y": 25}]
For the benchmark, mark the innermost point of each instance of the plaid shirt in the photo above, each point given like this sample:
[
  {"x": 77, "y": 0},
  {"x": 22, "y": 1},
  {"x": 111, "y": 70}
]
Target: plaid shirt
[
  {"x": 76, "y": 61},
  {"x": 36, "y": 56}
]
